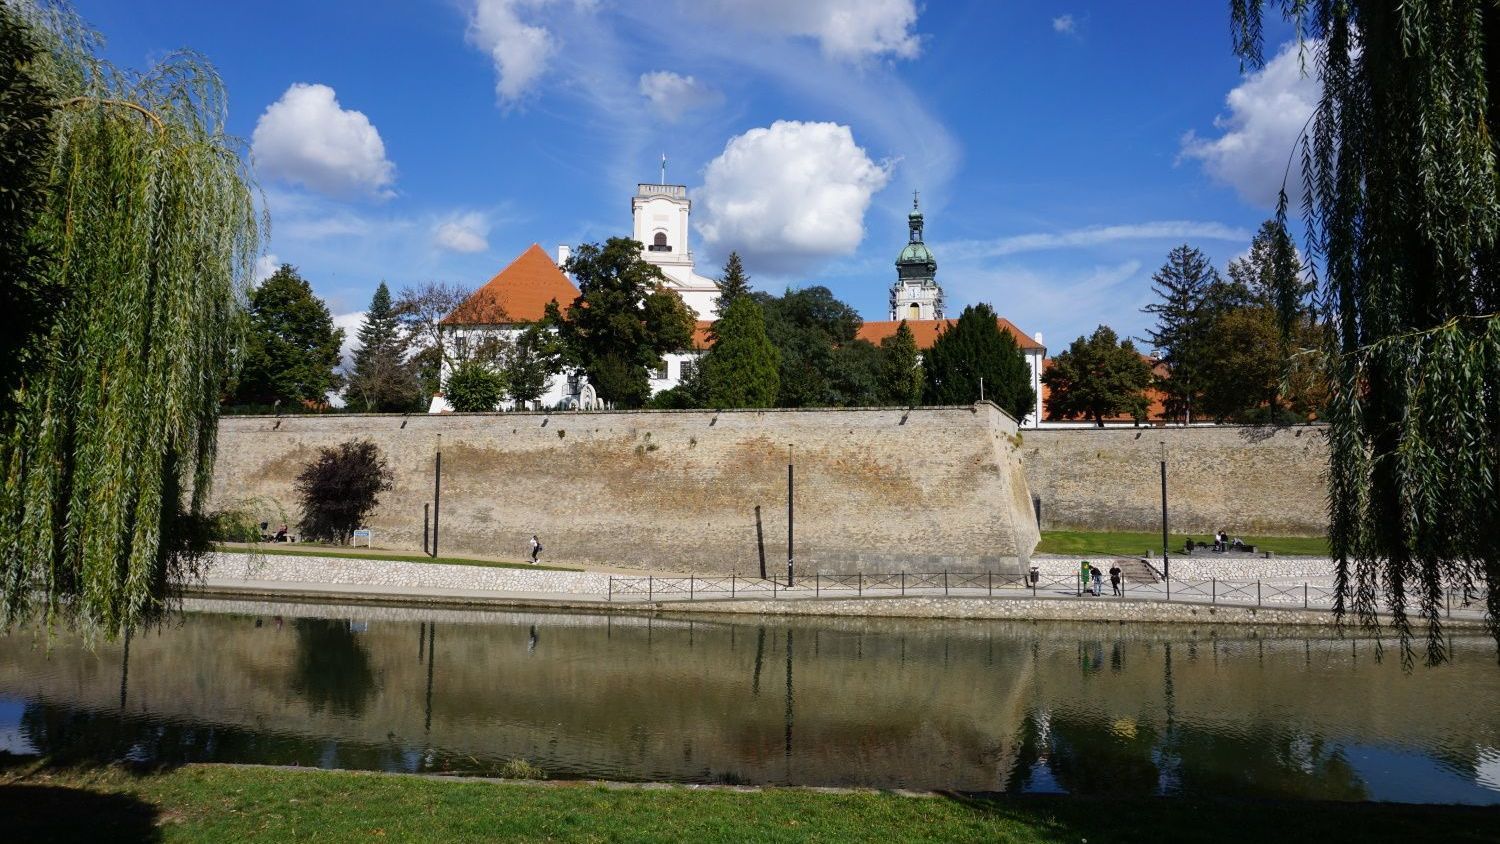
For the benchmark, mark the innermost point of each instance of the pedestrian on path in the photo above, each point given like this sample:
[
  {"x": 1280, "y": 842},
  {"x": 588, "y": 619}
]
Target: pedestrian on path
[
  {"x": 1098, "y": 577},
  {"x": 536, "y": 548},
  {"x": 1114, "y": 577}
]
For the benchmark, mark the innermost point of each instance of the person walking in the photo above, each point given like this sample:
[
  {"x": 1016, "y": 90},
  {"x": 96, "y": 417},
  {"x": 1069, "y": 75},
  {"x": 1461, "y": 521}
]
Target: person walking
[
  {"x": 536, "y": 549},
  {"x": 1098, "y": 578},
  {"x": 1114, "y": 577}
]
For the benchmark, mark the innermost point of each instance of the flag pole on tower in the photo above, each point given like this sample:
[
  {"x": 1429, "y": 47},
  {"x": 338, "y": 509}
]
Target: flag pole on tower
[{"x": 664, "y": 168}]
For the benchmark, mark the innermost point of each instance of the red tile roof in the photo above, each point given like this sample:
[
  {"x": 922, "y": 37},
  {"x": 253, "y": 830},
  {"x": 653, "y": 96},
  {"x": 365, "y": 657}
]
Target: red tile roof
[
  {"x": 518, "y": 293},
  {"x": 926, "y": 332}
]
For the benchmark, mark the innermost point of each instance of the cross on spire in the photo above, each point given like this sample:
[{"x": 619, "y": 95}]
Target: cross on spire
[{"x": 914, "y": 205}]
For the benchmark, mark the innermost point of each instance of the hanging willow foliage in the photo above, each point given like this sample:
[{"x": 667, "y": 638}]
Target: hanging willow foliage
[
  {"x": 1402, "y": 208},
  {"x": 150, "y": 229}
]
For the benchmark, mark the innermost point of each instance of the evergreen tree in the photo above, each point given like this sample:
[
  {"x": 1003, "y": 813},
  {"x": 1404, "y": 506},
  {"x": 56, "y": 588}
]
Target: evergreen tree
[
  {"x": 901, "y": 368},
  {"x": 382, "y": 381},
  {"x": 741, "y": 369},
  {"x": 1272, "y": 275},
  {"x": 1098, "y": 376},
  {"x": 973, "y": 349},
  {"x": 623, "y": 321},
  {"x": 808, "y": 326},
  {"x": 733, "y": 284},
  {"x": 292, "y": 347},
  {"x": 1186, "y": 285},
  {"x": 474, "y": 387},
  {"x": 530, "y": 362}
]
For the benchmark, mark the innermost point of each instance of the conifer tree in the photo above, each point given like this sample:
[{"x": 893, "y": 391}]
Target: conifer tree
[
  {"x": 382, "y": 381},
  {"x": 973, "y": 350},
  {"x": 733, "y": 283},
  {"x": 1186, "y": 285},
  {"x": 292, "y": 347},
  {"x": 741, "y": 369},
  {"x": 901, "y": 368}
]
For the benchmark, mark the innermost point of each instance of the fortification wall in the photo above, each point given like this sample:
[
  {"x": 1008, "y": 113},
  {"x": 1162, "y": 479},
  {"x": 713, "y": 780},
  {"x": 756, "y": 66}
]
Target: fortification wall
[
  {"x": 876, "y": 489},
  {"x": 1247, "y": 480}
]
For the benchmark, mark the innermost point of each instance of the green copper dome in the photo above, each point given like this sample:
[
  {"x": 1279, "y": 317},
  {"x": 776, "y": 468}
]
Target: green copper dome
[{"x": 916, "y": 253}]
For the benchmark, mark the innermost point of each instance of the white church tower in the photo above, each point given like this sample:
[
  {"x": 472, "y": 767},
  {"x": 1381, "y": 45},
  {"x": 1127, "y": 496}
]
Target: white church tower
[
  {"x": 661, "y": 223},
  {"x": 916, "y": 294}
]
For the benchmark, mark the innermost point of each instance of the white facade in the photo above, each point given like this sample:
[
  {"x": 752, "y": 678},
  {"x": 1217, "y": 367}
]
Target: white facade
[
  {"x": 660, "y": 214},
  {"x": 916, "y": 299}
]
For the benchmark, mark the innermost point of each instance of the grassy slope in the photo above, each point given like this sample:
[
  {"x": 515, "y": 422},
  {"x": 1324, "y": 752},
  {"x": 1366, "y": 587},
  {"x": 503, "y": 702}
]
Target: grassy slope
[
  {"x": 1132, "y": 544},
  {"x": 221, "y": 803},
  {"x": 319, "y": 551}
]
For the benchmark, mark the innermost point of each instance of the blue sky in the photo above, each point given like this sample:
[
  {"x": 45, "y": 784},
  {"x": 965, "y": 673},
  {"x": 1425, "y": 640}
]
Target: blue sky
[{"x": 1061, "y": 148}]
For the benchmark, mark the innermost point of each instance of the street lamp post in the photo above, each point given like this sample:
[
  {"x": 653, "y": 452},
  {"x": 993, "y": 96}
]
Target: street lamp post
[
  {"x": 789, "y": 534},
  {"x": 1166, "y": 559}
]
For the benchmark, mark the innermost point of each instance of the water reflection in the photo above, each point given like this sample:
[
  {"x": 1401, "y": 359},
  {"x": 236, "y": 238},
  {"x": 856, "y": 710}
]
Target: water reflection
[{"x": 961, "y": 705}]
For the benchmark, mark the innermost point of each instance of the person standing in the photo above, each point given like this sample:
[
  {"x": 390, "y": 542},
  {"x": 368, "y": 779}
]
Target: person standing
[
  {"x": 1114, "y": 577},
  {"x": 536, "y": 549},
  {"x": 1098, "y": 578}
]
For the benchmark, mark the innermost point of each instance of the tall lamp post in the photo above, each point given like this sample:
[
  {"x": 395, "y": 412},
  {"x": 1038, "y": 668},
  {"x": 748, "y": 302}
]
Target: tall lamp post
[
  {"x": 1166, "y": 559},
  {"x": 789, "y": 533},
  {"x": 437, "y": 494}
]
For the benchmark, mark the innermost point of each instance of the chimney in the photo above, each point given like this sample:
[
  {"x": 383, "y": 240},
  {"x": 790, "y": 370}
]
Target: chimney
[
  {"x": 563, "y": 253},
  {"x": 1038, "y": 338}
]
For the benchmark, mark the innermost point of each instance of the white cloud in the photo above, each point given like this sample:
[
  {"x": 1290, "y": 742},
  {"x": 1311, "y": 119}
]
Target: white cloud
[
  {"x": 790, "y": 192},
  {"x": 844, "y": 29},
  {"x": 265, "y": 265},
  {"x": 350, "y": 322},
  {"x": 306, "y": 137},
  {"x": 1094, "y": 236},
  {"x": 1259, "y": 136},
  {"x": 1064, "y": 24},
  {"x": 519, "y": 49},
  {"x": 467, "y": 232},
  {"x": 671, "y": 95}
]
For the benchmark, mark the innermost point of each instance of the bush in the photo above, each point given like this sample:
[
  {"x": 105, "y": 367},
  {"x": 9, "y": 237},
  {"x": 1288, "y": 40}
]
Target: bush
[
  {"x": 340, "y": 489},
  {"x": 474, "y": 387},
  {"x": 233, "y": 526}
]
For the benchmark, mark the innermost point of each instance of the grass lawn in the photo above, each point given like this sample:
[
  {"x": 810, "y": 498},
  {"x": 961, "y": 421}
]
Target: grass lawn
[
  {"x": 225, "y": 803},
  {"x": 1133, "y": 543},
  {"x": 324, "y": 551}
]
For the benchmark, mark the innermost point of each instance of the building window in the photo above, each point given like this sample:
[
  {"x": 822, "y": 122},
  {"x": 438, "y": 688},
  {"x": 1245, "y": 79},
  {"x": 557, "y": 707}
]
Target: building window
[
  {"x": 915, "y": 311},
  {"x": 660, "y": 373},
  {"x": 659, "y": 243}
]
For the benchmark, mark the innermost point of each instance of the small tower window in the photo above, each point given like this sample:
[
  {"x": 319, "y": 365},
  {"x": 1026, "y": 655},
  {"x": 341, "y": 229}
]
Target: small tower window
[
  {"x": 915, "y": 311},
  {"x": 659, "y": 243}
]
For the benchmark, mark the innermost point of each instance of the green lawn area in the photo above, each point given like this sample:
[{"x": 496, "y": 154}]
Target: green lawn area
[
  {"x": 224, "y": 803},
  {"x": 1133, "y": 544},
  {"x": 364, "y": 554}
]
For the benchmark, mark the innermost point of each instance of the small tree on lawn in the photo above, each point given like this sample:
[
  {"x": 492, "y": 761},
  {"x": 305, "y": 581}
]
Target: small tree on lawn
[
  {"x": 474, "y": 387},
  {"x": 1097, "y": 377},
  {"x": 340, "y": 489}
]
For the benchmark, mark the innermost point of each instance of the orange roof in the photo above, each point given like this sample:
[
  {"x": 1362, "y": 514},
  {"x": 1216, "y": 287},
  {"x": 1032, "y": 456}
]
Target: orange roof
[
  {"x": 926, "y": 331},
  {"x": 518, "y": 293},
  {"x": 700, "y": 334}
]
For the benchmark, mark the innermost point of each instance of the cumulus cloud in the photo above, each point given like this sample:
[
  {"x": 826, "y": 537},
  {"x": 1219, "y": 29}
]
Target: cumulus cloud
[
  {"x": 265, "y": 266},
  {"x": 845, "y": 29},
  {"x": 1259, "y": 134},
  {"x": 519, "y": 49},
  {"x": 307, "y": 138},
  {"x": 790, "y": 192},
  {"x": 1094, "y": 236},
  {"x": 1064, "y": 24},
  {"x": 467, "y": 232},
  {"x": 671, "y": 95},
  {"x": 351, "y": 323}
]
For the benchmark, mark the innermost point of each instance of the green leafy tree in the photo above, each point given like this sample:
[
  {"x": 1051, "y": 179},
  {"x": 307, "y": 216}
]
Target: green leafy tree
[
  {"x": 1403, "y": 205},
  {"x": 733, "y": 284},
  {"x": 292, "y": 349},
  {"x": 1241, "y": 367},
  {"x": 807, "y": 326},
  {"x": 901, "y": 373},
  {"x": 474, "y": 387},
  {"x": 149, "y": 225},
  {"x": 530, "y": 362},
  {"x": 340, "y": 489},
  {"x": 624, "y": 320},
  {"x": 974, "y": 348},
  {"x": 1272, "y": 274},
  {"x": 1098, "y": 377},
  {"x": 382, "y": 380},
  {"x": 855, "y": 374},
  {"x": 741, "y": 369},
  {"x": 1190, "y": 295}
]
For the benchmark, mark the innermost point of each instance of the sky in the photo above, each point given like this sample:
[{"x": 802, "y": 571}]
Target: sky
[{"x": 1060, "y": 148}]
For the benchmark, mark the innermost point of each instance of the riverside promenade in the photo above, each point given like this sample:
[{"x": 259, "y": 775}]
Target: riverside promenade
[{"x": 1287, "y": 591}]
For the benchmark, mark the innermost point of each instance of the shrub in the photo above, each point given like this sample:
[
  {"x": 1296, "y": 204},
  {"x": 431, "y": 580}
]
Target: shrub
[
  {"x": 233, "y": 526},
  {"x": 340, "y": 489},
  {"x": 474, "y": 387}
]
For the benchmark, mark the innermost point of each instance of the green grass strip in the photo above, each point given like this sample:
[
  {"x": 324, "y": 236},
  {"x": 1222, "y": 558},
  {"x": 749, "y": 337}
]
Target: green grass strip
[
  {"x": 1134, "y": 543},
  {"x": 216, "y": 804}
]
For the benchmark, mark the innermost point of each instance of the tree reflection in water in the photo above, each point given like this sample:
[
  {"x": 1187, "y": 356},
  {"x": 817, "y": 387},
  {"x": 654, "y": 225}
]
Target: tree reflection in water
[{"x": 332, "y": 669}]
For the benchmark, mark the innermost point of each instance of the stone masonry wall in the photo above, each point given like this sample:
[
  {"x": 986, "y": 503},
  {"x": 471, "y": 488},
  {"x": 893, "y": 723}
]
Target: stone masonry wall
[
  {"x": 876, "y": 489},
  {"x": 1247, "y": 480}
]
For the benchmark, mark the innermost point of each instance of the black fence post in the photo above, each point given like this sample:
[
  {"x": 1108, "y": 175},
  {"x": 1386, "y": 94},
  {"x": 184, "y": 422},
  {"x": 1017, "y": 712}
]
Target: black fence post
[
  {"x": 731, "y": 586},
  {"x": 1213, "y": 590},
  {"x": 945, "y": 582},
  {"x": 1257, "y": 591},
  {"x": 690, "y": 587},
  {"x": 650, "y": 588},
  {"x": 861, "y": 584},
  {"x": 903, "y": 584},
  {"x": 426, "y": 524},
  {"x": 611, "y": 589},
  {"x": 817, "y": 584},
  {"x": 1304, "y": 594},
  {"x": 992, "y": 584}
]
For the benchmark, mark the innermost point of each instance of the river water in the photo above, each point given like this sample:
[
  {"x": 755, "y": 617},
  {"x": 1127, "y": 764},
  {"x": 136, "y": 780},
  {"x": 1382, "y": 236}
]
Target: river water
[{"x": 972, "y": 705}]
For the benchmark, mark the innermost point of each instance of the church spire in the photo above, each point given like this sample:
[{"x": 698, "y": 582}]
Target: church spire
[
  {"x": 916, "y": 294},
  {"x": 914, "y": 220}
]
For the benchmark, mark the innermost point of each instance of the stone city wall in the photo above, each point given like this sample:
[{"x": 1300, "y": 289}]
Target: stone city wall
[
  {"x": 1246, "y": 480},
  {"x": 688, "y": 491}
]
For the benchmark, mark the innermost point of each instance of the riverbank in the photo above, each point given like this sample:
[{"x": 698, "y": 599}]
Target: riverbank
[{"x": 213, "y": 803}]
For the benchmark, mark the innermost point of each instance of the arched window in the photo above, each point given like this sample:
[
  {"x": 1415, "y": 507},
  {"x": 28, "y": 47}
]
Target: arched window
[
  {"x": 659, "y": 243},
  {"x": 916, "y": 311}
]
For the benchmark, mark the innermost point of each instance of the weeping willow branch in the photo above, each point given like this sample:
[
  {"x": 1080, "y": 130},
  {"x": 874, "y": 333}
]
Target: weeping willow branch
[{"x": 115, "y": 103}]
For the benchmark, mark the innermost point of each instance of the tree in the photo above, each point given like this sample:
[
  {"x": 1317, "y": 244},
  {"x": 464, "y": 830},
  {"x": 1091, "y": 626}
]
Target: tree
[
  {"x": 1099, "y": 376},
  {"x": 733, "y": 284},
  {"x": 421, "y": 310},
  {"x": 292, "y": 348},
  {"x": 474, "y": 387},
  {"x": 382, "y": 380},
  {"x": 1240, "y": 367},
  {"x": 973, "y": 349},
  {"x": 741, "y": 369},
  {"x": 901, "y": 368},
  {"x": 340, "y": 489},
  {"x": 1272, "y": 274},
  {"x": 149, "y": 226},
  {"x": 529, "y": 362},
  {"x": 1403, "y": 214},
  {"x": 624, "y": 320},
  {"x": 1186, "y": 285},
  {"x": 808, "y": 326}
]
